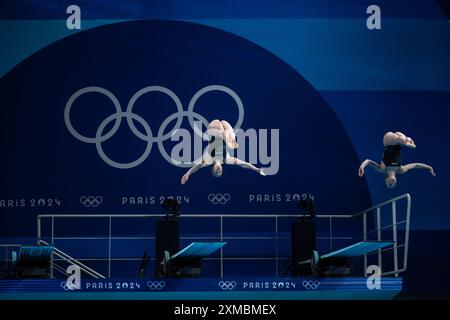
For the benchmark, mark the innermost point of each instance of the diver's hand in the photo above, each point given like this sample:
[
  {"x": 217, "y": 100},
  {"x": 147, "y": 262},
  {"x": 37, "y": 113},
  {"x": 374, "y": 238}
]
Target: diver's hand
[
  {"x": 184, "y": 179},
  {"x": 361, "y": 171},
  {"x": 432, "y": 172}
]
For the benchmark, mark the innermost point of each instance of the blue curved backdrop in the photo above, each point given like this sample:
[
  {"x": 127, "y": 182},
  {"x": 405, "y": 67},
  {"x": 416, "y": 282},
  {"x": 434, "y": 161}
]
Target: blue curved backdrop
[{"x": 46, "y": 161}]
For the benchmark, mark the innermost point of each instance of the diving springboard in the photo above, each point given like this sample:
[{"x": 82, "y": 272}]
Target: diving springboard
[
  {"x": 354, "y": 250},
  {"x": 199, "y": 249},
  {"x": 357, "y": 249},
  {"x": 35, "y": 252}
]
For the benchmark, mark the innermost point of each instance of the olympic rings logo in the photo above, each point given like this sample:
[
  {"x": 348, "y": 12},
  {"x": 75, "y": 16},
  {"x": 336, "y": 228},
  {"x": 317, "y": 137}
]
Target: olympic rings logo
[
  {"x": 148, "y": 137},
  {"x": 310, "y": 284},
  {"x": 219, "y": 198},
  {"x": 91, "y": 201},
  {"x": 156, "y": 285},
  {"x": 67, "y": 285},
  {"x": 227, "y": 285}
]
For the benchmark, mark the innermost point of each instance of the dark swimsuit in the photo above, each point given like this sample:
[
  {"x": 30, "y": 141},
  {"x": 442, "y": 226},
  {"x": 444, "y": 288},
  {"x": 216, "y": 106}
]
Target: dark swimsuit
[
  {"x": 392, "y": 156},
  {"x": 221, "y": 153}
]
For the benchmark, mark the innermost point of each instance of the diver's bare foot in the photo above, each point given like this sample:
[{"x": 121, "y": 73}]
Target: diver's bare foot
[
  {"x": 432, "y": 172},
  {"x": 234, "y": 144},
  {"x": 184, "y": 179},
  {"x": 231, "y": 143},
  {"x": 361, "y": 171},
  {"x": 410, "y": 143},
  {"x": 261, "y": 172}
]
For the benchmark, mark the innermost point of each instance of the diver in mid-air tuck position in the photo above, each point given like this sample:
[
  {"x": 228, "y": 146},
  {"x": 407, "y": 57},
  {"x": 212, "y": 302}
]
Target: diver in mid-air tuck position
[
  {"x": 391, "y": 163},
  {"x": 221, "y": 135}
]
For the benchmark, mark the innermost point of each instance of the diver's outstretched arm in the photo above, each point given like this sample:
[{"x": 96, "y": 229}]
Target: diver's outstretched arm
[
  {"x": 243, "y": 164},
  {"x": 192, "y": 170},
  {"x": 369, "y": 163},
  {"x": 411, "y": 166}
]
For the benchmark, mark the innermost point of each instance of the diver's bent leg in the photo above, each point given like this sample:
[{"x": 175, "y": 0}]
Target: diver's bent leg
[
  {"x": 230, "y": 136},
  {"x": 391, "y": 139}
]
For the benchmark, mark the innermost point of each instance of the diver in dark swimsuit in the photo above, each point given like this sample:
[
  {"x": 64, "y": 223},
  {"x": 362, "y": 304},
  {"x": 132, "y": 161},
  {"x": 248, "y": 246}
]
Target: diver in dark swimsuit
[
  {"x": 392, "y": 156},
  {"x": 221, "y": 135},
  {"x": 391, "y": 163}
]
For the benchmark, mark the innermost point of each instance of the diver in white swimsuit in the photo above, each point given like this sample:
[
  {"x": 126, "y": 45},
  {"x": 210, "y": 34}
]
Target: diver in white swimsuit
[{"x": 221, "y": 135}]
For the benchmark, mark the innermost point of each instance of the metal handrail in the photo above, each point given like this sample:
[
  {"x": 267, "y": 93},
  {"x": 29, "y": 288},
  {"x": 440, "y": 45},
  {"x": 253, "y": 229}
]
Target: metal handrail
[
  {"x": 59, "y": 269},
  {"x": 72, "y": 260},
  {"x": 406, "y": 195},
  {"x": 364, "y": 213},
  {"x": 188, "y": 215},
  {"x": 220, "y": 216},
  {"x": 394, "y": 224}
]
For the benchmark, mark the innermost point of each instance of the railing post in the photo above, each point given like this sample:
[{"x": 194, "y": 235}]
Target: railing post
[
  {"x": 405, "y": 253},
  {"x": 6, "y": 261},
  {"x": 364, "y": 213},
  {"x": 394, "y": 236},
  {"x": 380, "y": 263},
  {"x": 38, "y": 233},
  {"x": 221, "y": 248},
  {"x": 276, "y": 246},
  {"x": 53, "y": 244},
  {"x": 331, "y": 235},
  {"x": 365, "y": 239}
]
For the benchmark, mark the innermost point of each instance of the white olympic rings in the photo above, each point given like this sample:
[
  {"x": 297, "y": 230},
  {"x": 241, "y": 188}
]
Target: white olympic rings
[
  {"x": 310, "y": 284},
  {"x": 156, "y": 285},
  {"x": 227, "y": 285},
  {"x": 219, "y": 198},
  {"x": 91, "y": 201},
  {"x": 148, "y": 137}
]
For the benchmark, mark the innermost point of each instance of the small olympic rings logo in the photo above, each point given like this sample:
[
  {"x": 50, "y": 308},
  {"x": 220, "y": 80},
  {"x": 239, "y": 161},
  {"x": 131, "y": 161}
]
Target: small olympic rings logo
[
  {"x": 227, "y": 285},
  {"x": 310, "y": 284},
  {"x": 131, "y": 117},
  {"x": 219, "y": 198},
  {"x": 156, "y": 285},
  {"x": 67, "y": 285},
  {"x": 91, "y": 201}
]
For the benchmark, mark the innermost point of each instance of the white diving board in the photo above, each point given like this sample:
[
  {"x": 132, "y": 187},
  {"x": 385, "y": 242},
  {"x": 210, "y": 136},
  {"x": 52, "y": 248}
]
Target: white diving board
[
  {"x": 199, "y": 249},
  {"x": 354, "y": 250},
  {"x": 357, "y": 249}
]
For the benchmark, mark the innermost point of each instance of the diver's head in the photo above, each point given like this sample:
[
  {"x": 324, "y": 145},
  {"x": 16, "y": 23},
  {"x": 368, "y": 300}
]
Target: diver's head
[
  {"x": 391, "y": 180},
  {"x": 216, "y": 169}
]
